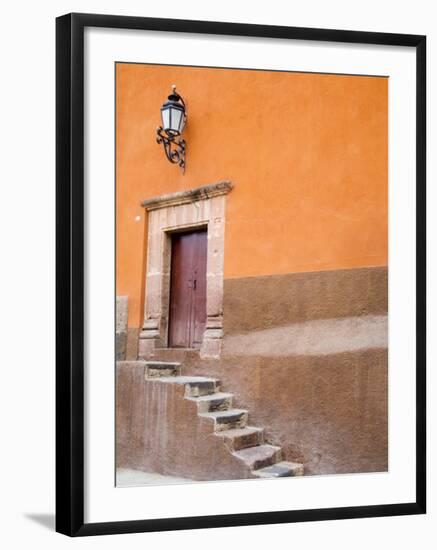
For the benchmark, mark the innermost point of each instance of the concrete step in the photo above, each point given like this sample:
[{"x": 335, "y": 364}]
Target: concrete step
[
  {"x": 194, "y": 385},
  {"x": 226, "y": 420},
  {"x": 281, "y": 469},
  {"x": 260, "y": 456},
  {"x": 158, "y": 369},
  {"x": 215, "y": 402},
  {"x": 242, "y": 438}
]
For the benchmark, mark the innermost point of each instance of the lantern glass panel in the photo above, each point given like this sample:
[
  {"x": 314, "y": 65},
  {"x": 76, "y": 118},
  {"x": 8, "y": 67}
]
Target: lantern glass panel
[
  {"x": 182, "y": 123},
  {"x": 165, "y": 115},
  {"x": 176, "y": 120}
]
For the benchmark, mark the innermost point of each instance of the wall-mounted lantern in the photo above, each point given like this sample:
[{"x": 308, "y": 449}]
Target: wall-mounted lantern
[{"x": 173, "y": 117}]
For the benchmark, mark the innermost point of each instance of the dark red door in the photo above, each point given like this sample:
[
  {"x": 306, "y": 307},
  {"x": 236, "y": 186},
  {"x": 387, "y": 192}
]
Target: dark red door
[{"x": 188, "y": 289}]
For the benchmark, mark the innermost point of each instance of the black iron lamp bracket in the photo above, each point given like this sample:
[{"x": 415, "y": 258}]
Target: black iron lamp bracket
[{"x": 174, "y": 148}]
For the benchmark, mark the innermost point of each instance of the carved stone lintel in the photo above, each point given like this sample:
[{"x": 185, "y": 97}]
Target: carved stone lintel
[{"x": 191, "y": 195}]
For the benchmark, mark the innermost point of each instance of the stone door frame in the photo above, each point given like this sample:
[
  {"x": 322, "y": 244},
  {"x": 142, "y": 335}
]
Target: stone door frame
[{"x": 176, "y": 212}]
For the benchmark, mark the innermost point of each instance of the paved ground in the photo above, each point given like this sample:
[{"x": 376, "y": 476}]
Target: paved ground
[{"x": 136, "y": 478}]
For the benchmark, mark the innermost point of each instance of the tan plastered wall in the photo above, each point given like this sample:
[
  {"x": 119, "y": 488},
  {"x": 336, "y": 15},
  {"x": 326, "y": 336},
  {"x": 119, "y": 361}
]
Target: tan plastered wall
[{"x": 308, "y": 359}]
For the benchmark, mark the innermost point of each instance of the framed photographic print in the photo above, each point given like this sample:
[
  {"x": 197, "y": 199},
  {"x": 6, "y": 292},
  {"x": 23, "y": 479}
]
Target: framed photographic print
[{"x": 240, "y": 274}]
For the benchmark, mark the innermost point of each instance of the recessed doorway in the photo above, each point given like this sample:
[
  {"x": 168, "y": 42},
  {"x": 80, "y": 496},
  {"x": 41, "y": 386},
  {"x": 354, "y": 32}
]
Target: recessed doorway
[
  {"x": 187, "y": 312},
  {"x": 195, "y": 317}
]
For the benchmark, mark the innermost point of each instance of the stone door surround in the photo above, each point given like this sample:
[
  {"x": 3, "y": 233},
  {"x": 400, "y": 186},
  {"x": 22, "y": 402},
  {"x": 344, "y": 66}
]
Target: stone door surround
[{"x": 182, "y": 211}]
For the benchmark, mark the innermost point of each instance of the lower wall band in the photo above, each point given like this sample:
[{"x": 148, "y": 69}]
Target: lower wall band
[
  {"x": 256, "y": 303},
  {"x": 307, "y": 355}
]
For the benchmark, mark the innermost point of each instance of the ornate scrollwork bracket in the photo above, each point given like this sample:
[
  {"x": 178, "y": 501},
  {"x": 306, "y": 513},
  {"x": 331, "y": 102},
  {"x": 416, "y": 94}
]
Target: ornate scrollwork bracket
[{"x": 174, "y": 148}]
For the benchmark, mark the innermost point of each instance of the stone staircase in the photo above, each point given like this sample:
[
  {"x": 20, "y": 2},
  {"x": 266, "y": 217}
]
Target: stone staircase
[{"x": 244, "y": 442}]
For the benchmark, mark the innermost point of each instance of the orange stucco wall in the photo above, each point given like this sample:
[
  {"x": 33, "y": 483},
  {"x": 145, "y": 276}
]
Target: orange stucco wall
[{"x": 307, "y": 153}]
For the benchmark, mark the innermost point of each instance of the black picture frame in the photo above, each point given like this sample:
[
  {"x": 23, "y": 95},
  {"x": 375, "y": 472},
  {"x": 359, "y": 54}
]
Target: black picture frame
[{"x": 70, "y": 273}]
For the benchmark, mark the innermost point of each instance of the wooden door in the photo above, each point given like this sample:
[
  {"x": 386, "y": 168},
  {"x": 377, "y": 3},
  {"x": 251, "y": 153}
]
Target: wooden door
[{"x": 188, "y": 289}]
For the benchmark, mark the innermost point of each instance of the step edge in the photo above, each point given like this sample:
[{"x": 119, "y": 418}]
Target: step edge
[
  {"x": 291, "y": 465},
  {"x": 273, "y": 448},
  {"x": 210, "y": 397},
  {"x": 163, "y": 364},
  {"x": 229, "y": 412},
  {"x": 230, "y": 432},
  {"x": 194, "y": 380}
]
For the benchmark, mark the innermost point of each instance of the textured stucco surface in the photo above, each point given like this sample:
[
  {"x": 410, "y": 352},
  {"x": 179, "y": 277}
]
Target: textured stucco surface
[
  {"x": 307, "y": 355},
  {"x": 133, "y": 334},
  {"x": 329, "y": 412},
  {"x": 160, "y": 431},
  {"x": 259, "y": 303},
  {"x": 319, "y": 337}
]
